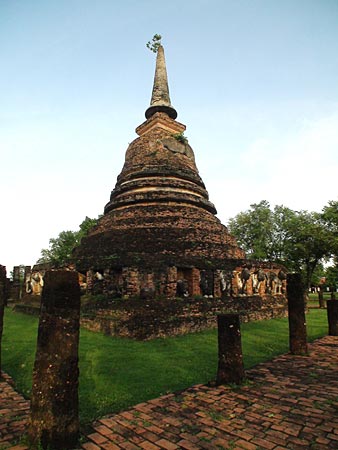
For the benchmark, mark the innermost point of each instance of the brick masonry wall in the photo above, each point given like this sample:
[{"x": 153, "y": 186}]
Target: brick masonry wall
[{"x": 148, "y": 319}]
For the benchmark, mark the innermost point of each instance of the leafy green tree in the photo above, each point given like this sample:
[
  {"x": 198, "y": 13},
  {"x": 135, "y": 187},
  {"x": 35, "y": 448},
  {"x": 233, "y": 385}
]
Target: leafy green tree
[
  {"x": 86, "y": 226},
  {"x": 254, "y": 230},
  {"x": 300, "y": 240},
  {"x": 60, "y": 249},
  {"x": 282, "y": 217},
  {"x": 309, "y": 243},
  {"x": 330, "y": 217},
  {"x": 331, "y": 275}
]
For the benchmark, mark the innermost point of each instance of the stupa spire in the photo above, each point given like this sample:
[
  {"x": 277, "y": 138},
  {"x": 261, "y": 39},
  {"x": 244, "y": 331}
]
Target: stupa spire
[{"x": 160, "y": 99}]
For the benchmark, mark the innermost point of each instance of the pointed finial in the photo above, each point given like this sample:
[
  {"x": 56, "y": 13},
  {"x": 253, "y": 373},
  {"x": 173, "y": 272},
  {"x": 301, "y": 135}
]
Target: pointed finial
[{"x": 160, "y": 99}]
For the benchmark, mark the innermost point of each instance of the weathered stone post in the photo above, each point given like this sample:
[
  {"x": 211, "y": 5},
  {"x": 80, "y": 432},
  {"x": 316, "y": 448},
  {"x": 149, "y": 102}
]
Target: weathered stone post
[
  {"x": 332, "y": 317},
  {"x": 296, "y": 309},
  {"x": 16, "y": 284},
  {"x": 321, "y": 297},
  {"x": 230, "y": 357},
  {"x": 26, "y": 288},
  {"x": 3, "y": 281},
  {"x": 54, "y": 421}
]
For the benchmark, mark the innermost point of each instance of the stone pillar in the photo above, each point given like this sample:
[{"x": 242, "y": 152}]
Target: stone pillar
[
  {"x": 27, "y": 288},
  {"x": 3, "y": 281},
  {"x": 7, "y": 290},
  {"x": 15, "y": 291},
  {"x": 106, "y": 281},
  {"x": 217, "y": 284},
  {"x": 150, "y": 284},
  {"x": 162, "y": 283},
  {"x": 249, "y": 286},
  {"x": 131, "y": 282},
  {"x": 171, "y": 281},
  {"x": 296, "y": 309},
  {"x": 195, "y": 282},
  {"x": 27, "y": 278},
  {"x": 230, "y": 357},
  {"x": 236, "y": 288},
  {"x": 262, "y": 286},
  {"x": 321, "y": 297},
  {"x": 332, "y": 317},
  {"x": 54, "y": 420},
  {"x": 90, "y": 281}
]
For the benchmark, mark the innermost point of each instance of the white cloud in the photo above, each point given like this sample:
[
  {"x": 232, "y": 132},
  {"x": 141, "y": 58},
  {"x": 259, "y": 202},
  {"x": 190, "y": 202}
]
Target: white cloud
[{"x": 298, "y": 170}]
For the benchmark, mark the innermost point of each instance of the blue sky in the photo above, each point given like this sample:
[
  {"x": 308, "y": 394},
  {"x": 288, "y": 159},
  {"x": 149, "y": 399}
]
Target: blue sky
[{"x": 254, "y": 81}]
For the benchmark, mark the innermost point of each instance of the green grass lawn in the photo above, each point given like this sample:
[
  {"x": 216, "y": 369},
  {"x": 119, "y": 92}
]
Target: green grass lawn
[
  {"x": 313, "y": 299},
  {"x": 116, "y": 373}
]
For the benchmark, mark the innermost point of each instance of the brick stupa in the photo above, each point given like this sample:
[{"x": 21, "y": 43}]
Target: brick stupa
[{"x": 159, "y": 230}]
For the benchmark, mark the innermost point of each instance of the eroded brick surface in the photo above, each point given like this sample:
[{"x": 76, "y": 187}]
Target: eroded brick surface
[{"x": 158, "y": 217}]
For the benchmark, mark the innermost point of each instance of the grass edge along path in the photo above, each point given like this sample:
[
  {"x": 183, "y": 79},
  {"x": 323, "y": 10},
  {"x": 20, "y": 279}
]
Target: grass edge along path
[{"x": 116, "y": 373}]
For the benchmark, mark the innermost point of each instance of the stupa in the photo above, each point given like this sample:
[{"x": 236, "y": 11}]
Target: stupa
[{"x": 159, "y": 233}]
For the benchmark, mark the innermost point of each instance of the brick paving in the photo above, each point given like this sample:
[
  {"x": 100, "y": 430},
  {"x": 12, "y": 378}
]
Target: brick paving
[
  {"x": 290, "y": 402},
  {"x": 13, "y": 414}
]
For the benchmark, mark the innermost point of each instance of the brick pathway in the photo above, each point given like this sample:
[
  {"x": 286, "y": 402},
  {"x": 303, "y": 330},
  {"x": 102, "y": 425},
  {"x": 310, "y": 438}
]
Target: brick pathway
[
  {"x": 13, "y": 414},
  {"x": 290, "y": 402}
]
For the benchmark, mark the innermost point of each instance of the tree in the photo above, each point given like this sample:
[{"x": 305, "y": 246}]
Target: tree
[
  {"x": 254, "y": 230},
  {"x": 86, "y": 226},
  {"x": 300, "y": 240},
  {"x": 309, "y": 243},
  {"x": 330, "y": 217},
  {"x": 60, "y": 249},
  {"x": 331, "y": 275},
  {"x": 155, "y": 43}
]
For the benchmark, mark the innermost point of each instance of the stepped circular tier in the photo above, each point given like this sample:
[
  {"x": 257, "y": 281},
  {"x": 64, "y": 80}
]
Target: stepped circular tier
[{"x": 159, "y": 212}]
